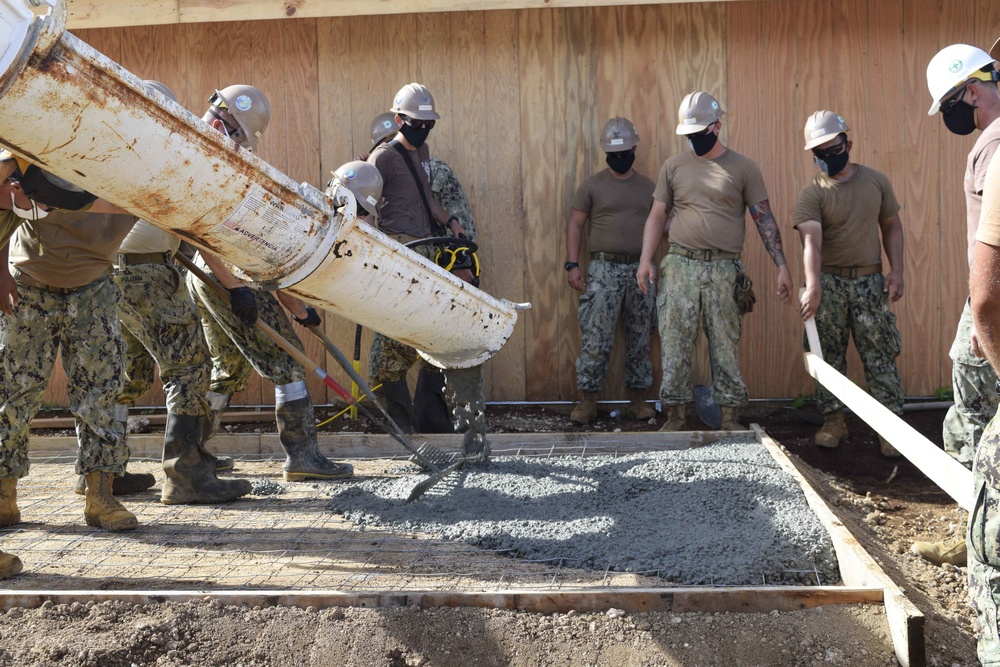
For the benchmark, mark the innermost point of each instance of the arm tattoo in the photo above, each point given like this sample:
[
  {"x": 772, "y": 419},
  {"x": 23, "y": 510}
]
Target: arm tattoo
[{"x": 768, "y": 230}]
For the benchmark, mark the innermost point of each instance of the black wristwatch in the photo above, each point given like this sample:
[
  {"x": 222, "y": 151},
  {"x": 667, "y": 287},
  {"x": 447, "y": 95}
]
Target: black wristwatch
[{"x": 569, "y": 266}]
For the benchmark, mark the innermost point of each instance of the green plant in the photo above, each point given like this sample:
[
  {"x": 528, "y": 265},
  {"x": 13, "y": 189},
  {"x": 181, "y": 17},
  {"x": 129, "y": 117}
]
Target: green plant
[
  {"x": 944, "y": 394},
  {"x": 802, "y": 401}
]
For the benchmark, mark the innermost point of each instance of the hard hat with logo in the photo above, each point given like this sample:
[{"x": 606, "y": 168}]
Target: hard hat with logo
[
  {"x": 698, "y": 110},
  {"x": 166, "y": 92},
  {"x": 383, "y": 127},
  {"x": 249, "y": 107},
  {"x": 823, "y": 126},
  {"x": 364, "y": 181},
  {"x": 415, "y": 101},
  {"x": 618, "y": 134},
  {"x": 951, "y": 67}
]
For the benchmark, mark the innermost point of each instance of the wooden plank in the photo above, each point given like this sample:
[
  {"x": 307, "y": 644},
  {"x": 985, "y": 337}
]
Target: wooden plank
[
  {"x": 103, "y": 14},
  {"x": 858, "y": 568}
]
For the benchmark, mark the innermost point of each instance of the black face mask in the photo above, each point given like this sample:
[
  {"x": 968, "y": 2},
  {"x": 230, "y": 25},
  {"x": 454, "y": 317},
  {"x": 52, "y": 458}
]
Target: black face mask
[
  {"x": 621, "y": 162},
  {"x": 415, "y": 135},
  {"x": 702, "y": 142},
  {"x": 833, "y": 165},
  {"x": 962, "y": 119}
]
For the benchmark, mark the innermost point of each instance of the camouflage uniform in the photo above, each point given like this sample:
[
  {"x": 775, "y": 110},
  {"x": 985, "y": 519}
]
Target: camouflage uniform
[
  {"x": 858, "y": 307},
  {"x": 692, "y": 292},
  {"x": 976, "y": 397},
  {"x": 448, "y": 192},
  {"x": 84, "y": 323},
  {"x": 612, "y": 289},
  {"x": 984, "y": 543},
  {"x": 232, "y": 344},
  {"x": 160, "y": 317}
]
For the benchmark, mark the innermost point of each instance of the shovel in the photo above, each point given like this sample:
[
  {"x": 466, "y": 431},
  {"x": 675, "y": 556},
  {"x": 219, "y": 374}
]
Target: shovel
[{"x": 706, "y": 408}]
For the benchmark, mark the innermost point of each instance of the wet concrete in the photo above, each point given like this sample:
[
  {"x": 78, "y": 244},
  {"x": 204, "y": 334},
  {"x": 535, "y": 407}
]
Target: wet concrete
[{"x": 719, "y": 514}]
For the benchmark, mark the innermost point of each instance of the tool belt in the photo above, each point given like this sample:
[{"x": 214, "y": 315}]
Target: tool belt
[
  {"x": 852, "y": 271},
  {"x": 615, "y": 258},
  {"x": 126, "y": 260},
  {"x": 701, "y": 255},
  {"x": 23, "y": 278}
]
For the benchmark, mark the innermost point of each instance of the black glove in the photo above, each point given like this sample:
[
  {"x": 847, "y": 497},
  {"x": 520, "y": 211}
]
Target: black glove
[
  {"x": 311, "y": 319},
  {"x": 243, "y": 303}
]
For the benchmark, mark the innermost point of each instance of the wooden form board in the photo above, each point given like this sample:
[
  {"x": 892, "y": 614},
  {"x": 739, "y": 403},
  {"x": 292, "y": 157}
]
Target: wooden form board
[{"x": 523, "y": 93}]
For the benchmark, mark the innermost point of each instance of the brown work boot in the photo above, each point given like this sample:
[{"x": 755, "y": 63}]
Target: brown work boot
[
  {"x": 676, "y": 418},
  {"x": 9, "y": 565},
  {"x": 833, "y": 431},
  {"x": 9, "y": 513},
  {"x": 951, "y": 551},
  {"x": 638, "y": 408},
  {"x": 585, "y": 410},
  {"x": 102, "y": 509},
  {"x": 887, "y": 449},
  {"x": 731, "y": 420}
]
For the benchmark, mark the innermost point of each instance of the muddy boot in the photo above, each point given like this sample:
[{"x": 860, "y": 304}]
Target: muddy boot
[
  {"x": 638, "y": 408},
  {"x": 396, "y": 397},
  {"x": 430, "y": 412},
  {"x": 676, "y": 418},
  {"x": 102, "y": 509},
  {"x": 297, "y": 435},
  {"x": 951, "y": 551},
  {"x": 731, "y": 420},
  {"x": 190, "y": 475},
  {"x": 887, "y": 449},
  {"x": 9, "y": 565},
  {"x": 834, "y": 430},
  {"x": 586, "y": 410},
  {"x": 9, "y": 513}
]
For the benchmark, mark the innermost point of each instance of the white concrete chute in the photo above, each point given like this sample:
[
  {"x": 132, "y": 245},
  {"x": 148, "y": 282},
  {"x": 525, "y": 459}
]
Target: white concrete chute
[{"x": 71, "y": 110}]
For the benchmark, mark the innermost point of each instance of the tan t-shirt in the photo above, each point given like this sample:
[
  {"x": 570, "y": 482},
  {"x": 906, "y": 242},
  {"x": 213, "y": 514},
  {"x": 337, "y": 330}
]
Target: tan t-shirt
[
  {"x": 9, "y": 222},
  {"x": 146, "y": 238},
  {"x": 617, "y": 210},
  {"x": 989, "y": 222},
  {"x": 709, "y": 198},
  {"x": 850, "y": 213},
  {"x": 979, "y": 160},
  {"x": 404, "y": 211},
  {"x": 69, "y": 248}
]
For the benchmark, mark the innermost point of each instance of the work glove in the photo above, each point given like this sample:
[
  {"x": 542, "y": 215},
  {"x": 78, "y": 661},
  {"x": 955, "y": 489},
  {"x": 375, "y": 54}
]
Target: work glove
[
  {"x": 743, "y": 293},
  {"x": 243, "y": 303},
  {"x": 311, "y": 319}
]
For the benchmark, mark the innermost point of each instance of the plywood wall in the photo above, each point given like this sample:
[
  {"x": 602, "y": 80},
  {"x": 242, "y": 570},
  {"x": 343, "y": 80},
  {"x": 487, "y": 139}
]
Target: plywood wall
[{"x": 523, "y": 95}]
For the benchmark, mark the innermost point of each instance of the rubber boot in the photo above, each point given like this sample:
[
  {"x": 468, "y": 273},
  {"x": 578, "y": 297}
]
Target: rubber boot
[
  {"x": 396, "y": 396},
  {"x": 190, "y": 475},
  {"x": 430, "y": 412},
  {"x": 297, "y": 435},
  {"x": 887, "y": 449},
  {"x": 833, "y": 431},
  {"x": 676, "y": 418},
  {"x": 638, "y": 408},
  {"x": 102, "y": 509},
  {"x": 123, "y": 485},
  {"x": 953, "y": 551},
  {"x": 586, "y": 410},
  {"x": 731, "y": 419},
  {"x": 9, "y": 513},
  {"x": 10, "y": 565}
]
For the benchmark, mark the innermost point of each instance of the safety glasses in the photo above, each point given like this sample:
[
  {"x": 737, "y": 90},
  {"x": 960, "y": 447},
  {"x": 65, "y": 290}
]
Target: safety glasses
[
  {"x": 419, "y": 124},
  {"x": 831, "y": 151},
  {"x": 949, "y": 104}
]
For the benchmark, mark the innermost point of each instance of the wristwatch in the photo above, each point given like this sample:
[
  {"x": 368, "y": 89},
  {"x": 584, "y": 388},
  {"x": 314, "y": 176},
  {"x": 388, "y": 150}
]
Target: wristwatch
[{"x": 569, "y": 266}]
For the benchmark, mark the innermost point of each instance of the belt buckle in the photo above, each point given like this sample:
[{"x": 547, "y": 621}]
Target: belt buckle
[
  {"x": 122, "y": 264},
  {"x": 852, "y": 272}
]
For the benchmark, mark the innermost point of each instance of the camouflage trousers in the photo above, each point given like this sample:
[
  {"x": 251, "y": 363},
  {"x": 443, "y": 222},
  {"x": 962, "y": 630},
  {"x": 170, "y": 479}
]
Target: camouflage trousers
[
  {"x": 858, "y": 308},
  {"x": 84, "y": 324},
  {"x": 162, "y": 325},
  {"x": 695, "y": 293},
  {"x": 613, "y": 294},
  {"x": 235, "y": 347},
  {"x": 984, "y": 544},
  {"x": 973, "y": 382}
]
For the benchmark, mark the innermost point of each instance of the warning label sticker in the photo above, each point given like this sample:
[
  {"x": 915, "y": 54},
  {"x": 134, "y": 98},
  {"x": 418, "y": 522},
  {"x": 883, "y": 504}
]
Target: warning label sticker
[{"x": 264, "y": 232}]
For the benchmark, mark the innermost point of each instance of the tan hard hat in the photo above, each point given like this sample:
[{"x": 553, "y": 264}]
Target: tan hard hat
[
  {"x": 415, "y": 101},
  {"x": 951, "y": 67},
  {"x": 250, "y": 108},
  {"x": 823, "y": 126},
  {"x": 363, "y": 180},
  {"x": 383, "y": 127},
  {"x": 618, "y": 134},
  {"x": 166, "y": 92},
  {"x": 698, "y": 110}
]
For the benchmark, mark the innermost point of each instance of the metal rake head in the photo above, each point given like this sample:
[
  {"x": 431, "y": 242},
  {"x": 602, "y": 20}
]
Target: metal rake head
[{"x": 427, "y": 453}]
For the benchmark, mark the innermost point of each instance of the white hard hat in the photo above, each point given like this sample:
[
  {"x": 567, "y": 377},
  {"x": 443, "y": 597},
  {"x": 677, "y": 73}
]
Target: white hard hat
[
  {"x": 698, "y": 110},
  {"x": 952, "y": 66},
  {"x": 823, "y": 126}
]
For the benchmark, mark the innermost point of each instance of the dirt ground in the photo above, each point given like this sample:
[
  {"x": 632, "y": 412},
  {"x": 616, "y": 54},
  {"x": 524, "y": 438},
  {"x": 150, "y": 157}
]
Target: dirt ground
[{"x": 885, "y": 503}]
